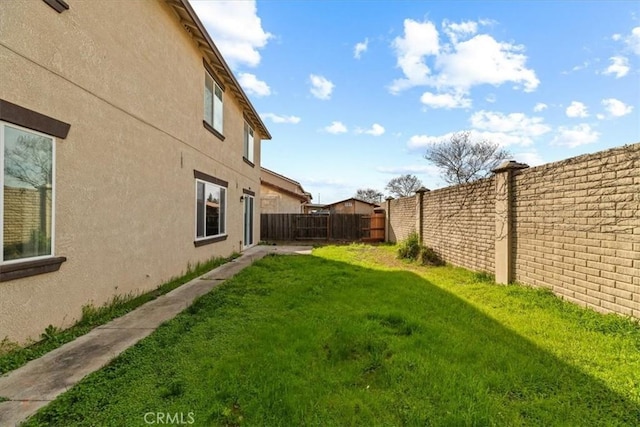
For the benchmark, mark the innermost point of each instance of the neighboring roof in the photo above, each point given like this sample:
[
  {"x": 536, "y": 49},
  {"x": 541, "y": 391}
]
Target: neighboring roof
[
  {"x": 303, "y": 195},
  {"x": 354, "y": 199},
  {"x": 269, "y": 171},
  {"x": 192, "y": 24}
]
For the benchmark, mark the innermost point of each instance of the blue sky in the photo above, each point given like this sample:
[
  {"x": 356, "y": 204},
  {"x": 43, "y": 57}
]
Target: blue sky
[{"x": 353, "y": 91}]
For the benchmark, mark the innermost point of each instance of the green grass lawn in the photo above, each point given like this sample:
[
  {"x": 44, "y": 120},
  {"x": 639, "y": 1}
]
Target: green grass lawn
[{"x": 353, "y": 336}]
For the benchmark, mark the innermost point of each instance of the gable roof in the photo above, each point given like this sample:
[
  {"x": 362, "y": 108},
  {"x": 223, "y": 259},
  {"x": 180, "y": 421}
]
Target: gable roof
[
  {"x": 303, "y": 195},
  {"x": 192, "y": 24},
  {"x": 354, "y": 199}
]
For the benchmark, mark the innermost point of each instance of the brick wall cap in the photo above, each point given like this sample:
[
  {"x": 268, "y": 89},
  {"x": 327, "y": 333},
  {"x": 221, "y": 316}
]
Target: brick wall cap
[{"x": 509, "y": 165}]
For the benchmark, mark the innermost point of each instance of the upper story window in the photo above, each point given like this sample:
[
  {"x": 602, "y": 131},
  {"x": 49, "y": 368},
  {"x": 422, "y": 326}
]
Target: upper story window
[
  {"x": 28, "y": 160},
  {"x": 248, "y": 142},
  {"x": 213, "y": 103}
]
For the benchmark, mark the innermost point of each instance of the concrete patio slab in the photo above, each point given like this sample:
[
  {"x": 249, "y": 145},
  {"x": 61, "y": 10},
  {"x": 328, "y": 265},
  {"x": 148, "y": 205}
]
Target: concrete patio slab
[{"x": 40, "y": 381}]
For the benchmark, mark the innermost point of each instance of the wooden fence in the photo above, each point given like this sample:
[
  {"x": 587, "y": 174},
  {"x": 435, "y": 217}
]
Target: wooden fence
[{"x": 344, "y": 227}]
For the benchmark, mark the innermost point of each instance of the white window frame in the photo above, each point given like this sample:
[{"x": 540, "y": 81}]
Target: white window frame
[
  {"x": 249, "y": 138},
  {"x": 217, "y": 108},
  {"x": 3, "y": 125},
  {"x": 224, "y": 212}
]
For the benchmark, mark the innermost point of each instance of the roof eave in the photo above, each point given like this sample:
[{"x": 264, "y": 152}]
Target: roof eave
[{"x": 192, "y": 23}]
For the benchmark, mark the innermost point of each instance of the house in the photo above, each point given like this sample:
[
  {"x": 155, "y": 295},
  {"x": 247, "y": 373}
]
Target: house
[
  {"x": 352, "y": 206},
  {"x": 279, "y": 194},
  {"x": 313, "y": 208},
  {"x": 131, "y": 151}
]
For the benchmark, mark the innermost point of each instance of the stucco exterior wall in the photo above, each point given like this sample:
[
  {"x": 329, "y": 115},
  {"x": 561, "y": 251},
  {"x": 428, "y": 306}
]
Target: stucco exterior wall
[
  {"x": 129, "y": 79},
  {"x": 274, "y": 201},
  {"x": 351, "y": 206}
]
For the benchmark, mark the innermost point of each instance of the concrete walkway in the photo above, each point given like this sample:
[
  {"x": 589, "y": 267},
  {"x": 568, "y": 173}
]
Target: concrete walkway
[{"x": 40, "y": 381}]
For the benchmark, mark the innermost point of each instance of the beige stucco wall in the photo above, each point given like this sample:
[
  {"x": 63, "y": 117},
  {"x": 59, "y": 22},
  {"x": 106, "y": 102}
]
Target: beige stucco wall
[
  {"x": 355, "y": 207},
  {"x": 129, "y": 79},
  {"x": 274, "y": 201}
]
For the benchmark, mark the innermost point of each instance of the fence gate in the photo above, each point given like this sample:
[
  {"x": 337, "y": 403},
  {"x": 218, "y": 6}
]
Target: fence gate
[{"x": 374, "y": 227}]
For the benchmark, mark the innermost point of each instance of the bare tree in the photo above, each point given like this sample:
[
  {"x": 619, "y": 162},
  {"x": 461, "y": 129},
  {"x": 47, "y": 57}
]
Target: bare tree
[
  {"x": 369, "y": 195},
  {"x": 29, "y": 161},
  {"x": 462, "y": 160},
  {"x": 403, "y": 186}
]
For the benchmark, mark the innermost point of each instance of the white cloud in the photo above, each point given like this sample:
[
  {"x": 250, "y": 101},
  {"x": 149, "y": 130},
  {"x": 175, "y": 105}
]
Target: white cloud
[
  {"x": 582, "y": 66},
  {"x": 575, "y": 136},
  {"x": 280, "y": 119},
  {"x": 540, "y": 106},
  {"x": 421, "y": 141},
  {"x": 445, "y": 100},
  {"x": 619, "y": 66},
  {"x": 616, "y": 37},
  {"x": 508, "y": 129},
  {"x": 577, "y": 109},
  {"x": 483, "y": 60},
  {"x": 252, "y": 85},
  {"x": 459, "y": 30},
  {"x": 360, "y": 48},
  {"x": 514, "y": 122},
  {"x": 336, "y": 128},
  {"x": 420, "y": 39},
  {"x": 375, "y": 130},
  {"x": 321, "y": 88},
  {"x": 239, "y": 35},
  {"x": 468, "y": 60},
  {"x": 531, "y": 158},
  {"x": 504, "y": 129},
  {"x": 633, "y": 40},
  {"x": 504, "y": 139},
  {"x": 616, "y": 108}
]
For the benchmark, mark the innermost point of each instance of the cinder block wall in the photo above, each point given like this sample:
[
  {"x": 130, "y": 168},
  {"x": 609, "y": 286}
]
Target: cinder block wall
[
  {"x": 577, "y": 229},
  {"x": 402, "y": 218},
  {"x": 459, "y": 224}
]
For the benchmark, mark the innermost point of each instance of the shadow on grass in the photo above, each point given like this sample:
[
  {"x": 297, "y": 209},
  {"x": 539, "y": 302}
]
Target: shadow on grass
[{"x": 302, "y": 340}]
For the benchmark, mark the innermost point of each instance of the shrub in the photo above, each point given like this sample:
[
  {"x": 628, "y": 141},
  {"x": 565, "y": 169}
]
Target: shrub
[
  {"x": 411, "y": 249},
  {"x": 430, "y": 257}
]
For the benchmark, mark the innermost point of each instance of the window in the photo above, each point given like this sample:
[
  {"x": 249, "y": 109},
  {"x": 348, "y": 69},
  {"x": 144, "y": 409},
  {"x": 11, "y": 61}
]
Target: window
[
  {"x": 28, "y": 194},
  {"x": 211, "y": 202},
  {"x": 248, "y": 142},
  {"x": 212, "y": 103}
]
